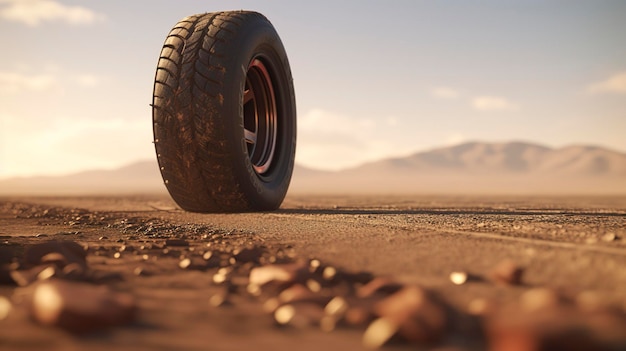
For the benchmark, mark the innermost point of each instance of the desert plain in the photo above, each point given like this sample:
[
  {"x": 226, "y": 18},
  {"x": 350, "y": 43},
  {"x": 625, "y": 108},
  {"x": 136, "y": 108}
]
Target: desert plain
[{"x": 565, "y": 285}]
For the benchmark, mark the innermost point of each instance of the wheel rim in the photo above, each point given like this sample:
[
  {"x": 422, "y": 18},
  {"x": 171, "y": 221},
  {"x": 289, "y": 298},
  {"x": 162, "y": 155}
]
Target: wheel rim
[{"x": 260, "y": 117}]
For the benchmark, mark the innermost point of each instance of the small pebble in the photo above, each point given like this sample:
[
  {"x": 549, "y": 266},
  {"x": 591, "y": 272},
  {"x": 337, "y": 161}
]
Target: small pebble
[
  {"x": 217, "y": 300},
  {"x": 507, "y": 272},
  {"x": 314, "y": 264},
  {"x": 458, "y": 278},
  {"x": 219, "y": 278},
  {"x": 419, "y": 317},
  {"x": 296, "y": 292},
  {"x": 185, "y": 263},
  {"x": 253, "y": 289},
  {"x": 378, "y": 333},
  {"x": 539, "y": 299},
  {"x": 336, "y": 307},
  {"x": 79, "y": 307},
  {"x": 74, "y": 270},
  {"x": 608, "y": 237},
  {"x": 271, "y": 305},
  {"x": 284, "y": 314},
  {"x": 55, "y": 258},
  {"x": 589, "y": 301},
  {"x": 478, "y": 307},
  {"x": 275, "y": 273},
  {"x": 5, "y": 307},
  {"x": 328, "y": 323},
  {"x": 47, "y": 273},
  {"x": 313, "y": 285},
  {"x": 378, "y": 285},
  {"x": 329, "y": 273}
]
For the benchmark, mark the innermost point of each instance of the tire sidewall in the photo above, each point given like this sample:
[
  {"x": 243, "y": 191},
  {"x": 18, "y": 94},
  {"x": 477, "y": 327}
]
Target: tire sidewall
[{"x": 257, "y": 39}]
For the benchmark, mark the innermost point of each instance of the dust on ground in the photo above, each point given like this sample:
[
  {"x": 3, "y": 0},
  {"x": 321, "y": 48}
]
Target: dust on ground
[{"x": 548, "y": 261}]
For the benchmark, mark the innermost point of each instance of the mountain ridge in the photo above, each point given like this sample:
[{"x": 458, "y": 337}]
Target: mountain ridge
[
  {"x": 472, "y": 167},
  {"x": 511, "y": 156}
]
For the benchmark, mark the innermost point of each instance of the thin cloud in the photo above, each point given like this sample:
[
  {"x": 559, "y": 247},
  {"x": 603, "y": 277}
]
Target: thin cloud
[
  {"x": 35, "y": 12},
  {"x": 493, "y": 103},
  {"x": 69, "y": 144},
  {"x": 12, "y": 83},
  {"x": 454, "y": 139},
  {"x": 87, "y": 80},
  {"x": 615, "y": 84},
  {"x": 333, "y": 141},
  {"x": 444, "y": 93},
  {"x": 15, "y": 82}
]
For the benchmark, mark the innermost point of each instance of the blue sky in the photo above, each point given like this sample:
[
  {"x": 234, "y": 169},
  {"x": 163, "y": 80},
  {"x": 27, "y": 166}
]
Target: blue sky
[{"x": 373, "y": 79}]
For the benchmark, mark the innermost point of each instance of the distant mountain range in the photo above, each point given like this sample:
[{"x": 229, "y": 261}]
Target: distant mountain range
[
  {"x": 470, "y": 168},
  {"x": 480, "y": 168},
  {"x": 139, "y": 178}
]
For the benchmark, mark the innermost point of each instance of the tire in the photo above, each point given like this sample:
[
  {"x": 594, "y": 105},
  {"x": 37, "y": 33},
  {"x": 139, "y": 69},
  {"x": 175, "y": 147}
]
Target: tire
[{"x": 224, "y": 114}]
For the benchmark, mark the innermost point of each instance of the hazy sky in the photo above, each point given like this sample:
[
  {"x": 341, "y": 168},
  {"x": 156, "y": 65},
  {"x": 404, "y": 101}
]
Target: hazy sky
[{"x": 373, "y": 78}]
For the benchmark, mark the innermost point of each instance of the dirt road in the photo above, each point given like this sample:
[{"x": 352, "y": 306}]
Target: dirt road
[{"x": 573, "y": 247}]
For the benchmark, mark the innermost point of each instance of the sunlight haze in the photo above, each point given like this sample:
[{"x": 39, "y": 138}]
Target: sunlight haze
[{"x": 373, "y": 79}]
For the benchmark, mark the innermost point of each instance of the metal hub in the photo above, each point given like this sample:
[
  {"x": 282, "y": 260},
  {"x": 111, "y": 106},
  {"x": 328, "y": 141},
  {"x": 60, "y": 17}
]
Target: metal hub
[{"x": 260, "y": 117}]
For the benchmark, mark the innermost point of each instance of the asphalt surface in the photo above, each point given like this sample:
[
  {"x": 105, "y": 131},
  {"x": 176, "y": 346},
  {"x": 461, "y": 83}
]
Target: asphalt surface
[{"x": 568, "y": 244}]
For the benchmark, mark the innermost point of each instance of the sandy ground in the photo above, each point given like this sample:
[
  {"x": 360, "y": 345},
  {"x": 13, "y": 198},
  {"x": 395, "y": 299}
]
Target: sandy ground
[{"x": 573, "y": 246}]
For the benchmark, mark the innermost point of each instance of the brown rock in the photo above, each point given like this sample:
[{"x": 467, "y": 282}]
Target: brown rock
[
  {"x": 336, "y": 307},
  {"x": 79, "y": 307},
  {"x": 196, "y": 263},
  {"x": 296, "y": 292},
  {"x": 8, "y": 252},
  {"x": 329, "y": 273},
  {"x": 359, "y": 314},
  {"x": 458, "y": 278},
  {"x": 290, "y": 272},
  {"x": 382, "y": 285},
  {"x": 507, "y": 272},
  {"x": 55, "y": 258},
  {"x": 268, "y": 290},
  {"x": 352, "y": 311},
  {"x": 540, "y": 299},
  {"x": 57, "y": 252},
  {"x": 74, "y": 271},
  {"x": 358, "y": 277},
  {"x": 220, "y": 298},
  {"x": 418, "y": 317},
  {"x": 5, "y": 275},
  {"x": 515, "y": 330},
  {"x": 211, "y": 260},
  {"x": 176, "y": 242},
  {"x": 608, "y": 237},
  {"x": 24, "y": 277},
  {"x": 480, "y": 306},
  {"x": 300, "y": 293},
  {"x": 140, "y": 271},
  {"x": 379, "y": 332},
  {"x": 5, "y": 307},
  {"x": 252, "y": 254},
  {"x": 299, "y": 315},
  {"x": 314, "y": 265},
  {"x": 184, "y": 263}
]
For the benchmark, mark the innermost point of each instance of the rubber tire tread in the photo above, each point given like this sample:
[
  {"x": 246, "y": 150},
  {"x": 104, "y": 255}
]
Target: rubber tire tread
[{"x": 189, "y": 136}]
